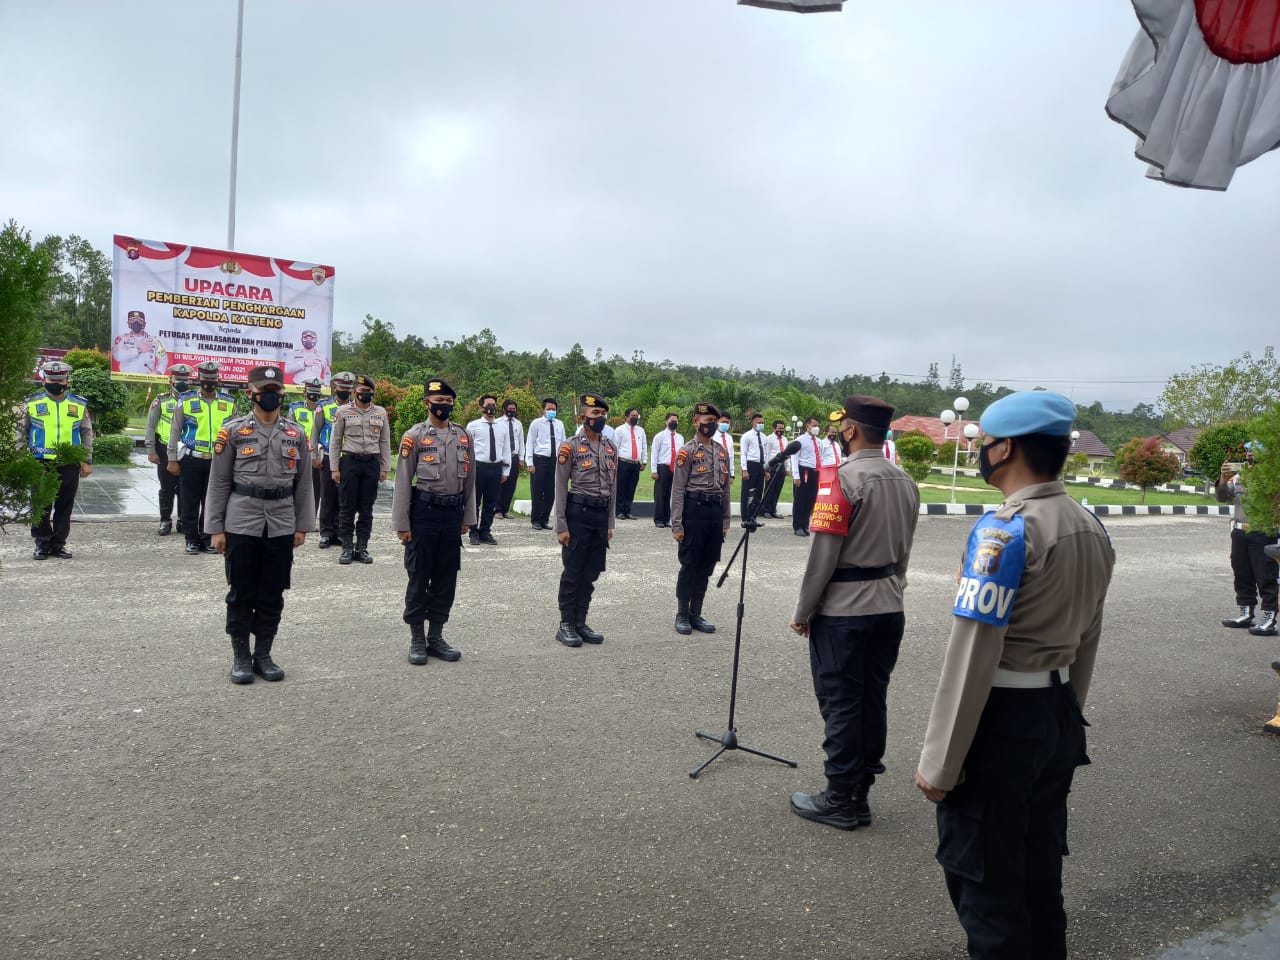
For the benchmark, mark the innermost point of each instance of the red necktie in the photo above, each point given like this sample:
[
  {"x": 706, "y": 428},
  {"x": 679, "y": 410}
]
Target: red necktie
[
  {"x": 817, "y": 455},
  {"x": 673, "y": 449},
  {"x": 634, "y": 456}
]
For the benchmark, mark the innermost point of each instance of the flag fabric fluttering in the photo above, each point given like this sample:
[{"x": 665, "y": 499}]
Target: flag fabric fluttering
[{"x": 796, "y": 6}]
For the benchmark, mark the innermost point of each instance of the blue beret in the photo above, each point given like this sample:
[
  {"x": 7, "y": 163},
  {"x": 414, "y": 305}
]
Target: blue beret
[{"x": 1029, "y": 411}]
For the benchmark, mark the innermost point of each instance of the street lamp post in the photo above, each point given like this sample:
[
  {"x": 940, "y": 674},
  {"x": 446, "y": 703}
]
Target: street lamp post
[{"x": 949, "y": 417}]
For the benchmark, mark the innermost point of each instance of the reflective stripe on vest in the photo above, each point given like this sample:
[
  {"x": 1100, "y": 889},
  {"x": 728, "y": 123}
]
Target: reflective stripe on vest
[
  {"x": 329, "y": 407},
  {"x": 202, "y": 420},
  {"x": 53, "y": 422},
  {"x": 163, "y": 425}
]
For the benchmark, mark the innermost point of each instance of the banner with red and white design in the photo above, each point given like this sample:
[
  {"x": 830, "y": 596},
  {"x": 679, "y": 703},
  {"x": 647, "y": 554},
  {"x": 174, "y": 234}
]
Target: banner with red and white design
[{"x": 177, "y": 303}]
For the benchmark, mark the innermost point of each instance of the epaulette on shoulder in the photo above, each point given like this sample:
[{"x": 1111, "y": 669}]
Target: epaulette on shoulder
[
  {"x": 222, "y": 395},
  {"x": 77, "y": 398},
  {"x": 188, "y": 393},
  {"x": 35, "y": 396}
]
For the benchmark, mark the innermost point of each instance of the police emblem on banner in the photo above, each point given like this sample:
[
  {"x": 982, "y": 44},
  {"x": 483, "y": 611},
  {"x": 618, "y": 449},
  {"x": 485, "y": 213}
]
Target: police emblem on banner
[{"x": 994, "y": 559}]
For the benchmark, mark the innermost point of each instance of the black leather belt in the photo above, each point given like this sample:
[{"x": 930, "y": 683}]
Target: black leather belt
[
  {"x": 854, "y": 574},
  {"x": 262, "y": 493},
  {"x": 361, "y": 457},
  {"x": 701, "y": 497},
  {"x": 595, "y": 503},
  {"x": 447, "y": 501}
]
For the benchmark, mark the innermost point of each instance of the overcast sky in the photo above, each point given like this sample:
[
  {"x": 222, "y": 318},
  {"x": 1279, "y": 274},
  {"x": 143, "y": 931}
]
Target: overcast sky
[{"x": 871, "y": 190}]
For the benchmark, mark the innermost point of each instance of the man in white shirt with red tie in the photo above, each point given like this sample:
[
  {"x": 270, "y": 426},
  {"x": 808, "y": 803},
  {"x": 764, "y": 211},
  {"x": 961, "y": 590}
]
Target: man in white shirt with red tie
[
  {"x": 633, "y": 451},
  {"x": 662, "y": 465},
  {"x": 815, "y": 452},
  {"x": 890, "y": 449},
  {"x": 753, "y": 461},
  {"x": 725, "y": 439}
]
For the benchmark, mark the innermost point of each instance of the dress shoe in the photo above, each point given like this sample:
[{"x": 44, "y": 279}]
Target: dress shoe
[
  {"x": 166, "y": 528},
  {"x": 62, "y": 553},
  {"x": 661, "y": 523},
  {"x": 1266, "y": 627},
  {"x": 439, "y": 648},
  {"x": 488, "y": 538},
  {"x": 835, "y": 809},
  {"x": 209, "y": 548},
  {"x": 192, "y": 549},
  {"x": 801, "y": 533},
  {"x": 473, "y": 539},
  {"x": 41, "y": 553},
  {"x": 327, "y": 542},
  {"x": 363, "y": 555},
  {"x": 588, "y": 635},
  {"x": 346, "y": 556},
  {"x": 568, "y": 636},
  {"x": 546, "y": 526}
]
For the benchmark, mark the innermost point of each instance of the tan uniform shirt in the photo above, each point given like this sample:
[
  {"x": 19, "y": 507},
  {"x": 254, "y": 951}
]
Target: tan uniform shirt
[
  {"x": 435, "y": 461},
  {"x": 884, "y": 509},
  {"x": 264, "y": 455},
  {"x": 361, "y": 431},
  {"x": 700, "y": 468},
  {"x": 588, "y": 468},
  {"x": 1055, "y": 621}
]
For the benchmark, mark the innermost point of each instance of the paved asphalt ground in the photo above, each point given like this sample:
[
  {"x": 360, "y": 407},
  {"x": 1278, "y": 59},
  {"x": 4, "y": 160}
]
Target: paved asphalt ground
[{"x": 534, "y": 801}]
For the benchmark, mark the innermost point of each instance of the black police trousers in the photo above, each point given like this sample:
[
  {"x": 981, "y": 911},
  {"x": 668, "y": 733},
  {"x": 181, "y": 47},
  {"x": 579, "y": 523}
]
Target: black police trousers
[
  {"x": 328, "y": 500},
  {"x": 628, "y": 478},
  {"x": 168, "y": 482},
  {"x": 432, "y": 559},
  {"x": 1254, "y": 572},
  {"x": 488, "y": 492},
  {"x": 662, "y": 494},
  {"x": 699, "y": 551},
  {"x": 804, "y": 495},
  {"x": 583, "y": 558},
  {"x": 1002, "y": 833},
  {"x": 193, "y": 483},
  {"x": 356, "y": 493},
  {"x": 258, "y": 572},
  {"x": 509, "y": 485},
  {"x": 54, "y": 526},
  {"x": 851, "y": 659},
  {"x": 753, "y": 490},
  {"x": 542, "y": 489}
]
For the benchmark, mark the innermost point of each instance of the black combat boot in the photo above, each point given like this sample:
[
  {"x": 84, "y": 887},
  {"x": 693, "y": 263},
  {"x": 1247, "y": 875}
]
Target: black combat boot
[
  {"x": 347, "y": 555},
  {"x": 683, "y": 626},
  {"x": 417, "y": 644},
  {"x": 833, "y": 806},
  {"x": 567, "y": 635},
  {"x": 241, "y": 661},
  {"x": 861, "y": 806},
  {"x": 695, "y": 617},
  {"x": 362, "y": 553},
  {"x": 263, "y": 665},
  {"x": 438, "y": 646},
  {"x": 585, "y": 632}
]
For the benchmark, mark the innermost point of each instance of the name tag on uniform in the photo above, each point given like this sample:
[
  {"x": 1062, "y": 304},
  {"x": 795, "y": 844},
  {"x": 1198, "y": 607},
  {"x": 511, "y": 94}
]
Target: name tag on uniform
[{"x": 994, "y": 559}]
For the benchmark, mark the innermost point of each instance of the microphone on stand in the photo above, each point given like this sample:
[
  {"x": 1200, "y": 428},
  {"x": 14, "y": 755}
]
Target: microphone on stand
[{"x": 790, "y": 450}]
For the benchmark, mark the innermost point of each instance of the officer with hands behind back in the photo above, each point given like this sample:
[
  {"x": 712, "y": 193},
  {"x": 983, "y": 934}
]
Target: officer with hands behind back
[
  {"x": 361, "y": 443},
  {"x": 700, "y": 512}
]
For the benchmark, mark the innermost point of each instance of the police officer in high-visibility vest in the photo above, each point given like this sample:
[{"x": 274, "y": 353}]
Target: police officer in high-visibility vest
[
  {"x": 259, "y": 510},
  {"x": 321, "y": 434},
  {"x": 159, "y": 423},
  {"x": 303, "y": 413},
  {"x": 48, "y": 419},
  {"x": 1006, "y": 731},
  {"x": 197, "y": 418}
]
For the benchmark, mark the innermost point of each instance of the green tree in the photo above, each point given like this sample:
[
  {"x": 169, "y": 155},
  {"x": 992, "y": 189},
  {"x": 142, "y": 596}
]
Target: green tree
[
  {"x": 1143, "y": 462},
  {"x": 1208, "y": 394},
  {"x": 1261, "y": 498},
  {"x": 25, "y": 278},
  {"x": 77, "y": 307},
  {"x": 1216, "y": 446},
  {"x": 108, "y": 399},
  {"x": 88, "y": 358},
  {"x": 915, "y": 454}
]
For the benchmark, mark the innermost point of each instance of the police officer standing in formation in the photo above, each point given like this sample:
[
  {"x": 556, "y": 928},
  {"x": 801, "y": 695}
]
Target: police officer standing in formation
[
  {"x": 774, "y": 444},
  {"x": 700, "y": 511},
  {"x": 586, "y": 495},
  {"x": 159, "y": 424},
  {"x": 321, "y": 437},
  {"x": 814, "y": 453},
  {"x": 662, "y": 467},
  {"x": 197, "y": 419},
  {"x": 362, "y": 442},
  {"x": 492, "y": 453},
  {"x": 514, "y": 430},
  {"x": 545, "y": 435},
  {"x": 259, "y": 508},
  {"x": 303, "y": 413},
  {"x": 633, "y": 451},
  {"x": 753, "y": 461},
  {"x": 850, "y": 608},
  {"x": 1006, "y": 731},
  {"x": 433, "y": 506},
  {"x": 49, "y": 419},
  {"x": 1253, "y": 571}
]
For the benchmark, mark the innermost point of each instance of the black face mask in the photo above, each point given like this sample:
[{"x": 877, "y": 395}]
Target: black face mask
[
  {"x": 269, "y": 400},
  {"x": 182, "y": 386},
  {"x": 490, "y": 410},
  {"x": 442, "y": 411},
  {"x": 343, "y": 395},
  {"x": 595, "y": 423},
  {"x": 708, "y": 429},
  {"x": 672, "y": 424},
  {"x": 364, "y": 396},
  {"x": 55, "y": 389},
  {"x": 633, "y": 420},
  {"x": 209, "y": 386},
  {"x": 136, "y": 327},
  {"x": 313, "y": 397},
  {"x": 985, "y": 466},
  {"x": 510, "y": 412}
]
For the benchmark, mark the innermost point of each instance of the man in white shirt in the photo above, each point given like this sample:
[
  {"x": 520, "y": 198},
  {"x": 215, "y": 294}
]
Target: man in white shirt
[
  {"x": 662, "y": 465},
  {"x": 514, "y": 430},
  {"x": 546, "y": 434},
  {"x": 753, "y": 461},
  {"x": 725, "y": 439},
  {"x": 815, "y": 452},
  {"x": 633, "y": 451},
  {"x": 774, "y": 444},
  {"x": 890, "y": 449},
  {"x": 491, "y": 460}
]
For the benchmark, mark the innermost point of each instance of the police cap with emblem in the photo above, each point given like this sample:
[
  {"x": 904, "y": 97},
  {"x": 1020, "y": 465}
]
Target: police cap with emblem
[
  {"x": 345, "y": 379},
  {"x": 312, "y": 384},
  {"x": 56, "y": 370},
  {"x": 208, "y": 370},
  {"x": 593, "y": 400},
  {"x": 699, "y": 409},
  {"x": 1029, "y": 411},
  {"x": 870, "y": 411},
  {"x": 438, "y": 386},
  {"x": 262, "y": 377},
  {"x": 180, "y": 370},
  {"x": 136, "y": 315}
]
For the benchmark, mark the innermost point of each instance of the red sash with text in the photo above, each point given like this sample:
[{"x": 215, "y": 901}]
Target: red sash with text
[{"x": 831, "y": 510}]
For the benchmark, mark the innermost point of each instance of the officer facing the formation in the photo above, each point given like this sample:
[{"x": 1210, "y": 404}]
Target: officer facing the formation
[
  {"x": 586, "y": 492},
  {"x": 303, "y": 413},
  {"x": 433, "y": 506},
  {"x": 159, "y": 424},
  {"x": 259, "y": 508},
  {"x": 49, "y": 419},
  {"x": 321, "y": 436},
  {"x": 362, "y": 443},
  {"x": 850, "y": 608},
  {"x": 1006, "y": 731},
  {"x": 700, "y": 512},
  {"x": 197, "y": 418},
  {"x": 1253, "y": 571}
]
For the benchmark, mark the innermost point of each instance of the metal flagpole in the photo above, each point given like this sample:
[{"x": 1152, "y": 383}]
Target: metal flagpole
[{"x": 235, "y": 131}]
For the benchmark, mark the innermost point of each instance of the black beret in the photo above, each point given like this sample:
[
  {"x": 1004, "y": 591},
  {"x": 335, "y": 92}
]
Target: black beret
[
  {"x": 593, "y": 400},
  {"x": 871, "y": 411},
  {"x": 364, "y": 381},
  {"x": 436, "y": 385},
  {"x": 704, "y": 407}
]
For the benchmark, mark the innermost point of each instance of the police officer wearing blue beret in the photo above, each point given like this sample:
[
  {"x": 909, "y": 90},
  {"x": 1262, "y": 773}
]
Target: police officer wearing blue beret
[{"x": 1006, "y": 731}]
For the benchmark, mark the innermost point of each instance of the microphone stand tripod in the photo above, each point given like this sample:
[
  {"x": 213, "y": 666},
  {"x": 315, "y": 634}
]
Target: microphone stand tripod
[{"x": 729, "y": 739}]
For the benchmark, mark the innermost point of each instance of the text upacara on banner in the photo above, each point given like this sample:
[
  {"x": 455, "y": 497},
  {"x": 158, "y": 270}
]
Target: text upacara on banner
[
  {"x": 832, "y": 510},
  {"x": 176, "y": 303}
]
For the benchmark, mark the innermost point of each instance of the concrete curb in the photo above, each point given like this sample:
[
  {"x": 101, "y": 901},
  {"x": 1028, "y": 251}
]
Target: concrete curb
[{"x": 644, "y": 508}]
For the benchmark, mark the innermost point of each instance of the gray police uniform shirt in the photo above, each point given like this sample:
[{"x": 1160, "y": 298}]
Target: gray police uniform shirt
[
  {"x": 265, "y": 455},
  {"x": 1055, "y": 620},
  {"x": 588, "y": 468},
  {"x": 700, "y": 468},
  {"x": 153, "y": 422},
  {"x": 361, "y": 431},
  {"x": 433, "y": 460},
  {"x": 884, "y": 509}
]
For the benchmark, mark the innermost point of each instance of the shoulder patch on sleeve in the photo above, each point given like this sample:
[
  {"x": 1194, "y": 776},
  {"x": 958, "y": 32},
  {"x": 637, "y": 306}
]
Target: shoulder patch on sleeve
[
  {"x": 406, "y": 445},
  {"x": 220, "y": 442},
  {"x": 566, "y": 448},
  {"x": 994, "y": 559},
  {"x": 682, "y": 456}
]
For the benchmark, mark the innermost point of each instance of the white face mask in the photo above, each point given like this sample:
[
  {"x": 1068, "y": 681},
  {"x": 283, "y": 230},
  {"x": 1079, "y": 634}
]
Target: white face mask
[{"x": 813, "y": 431}]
